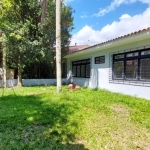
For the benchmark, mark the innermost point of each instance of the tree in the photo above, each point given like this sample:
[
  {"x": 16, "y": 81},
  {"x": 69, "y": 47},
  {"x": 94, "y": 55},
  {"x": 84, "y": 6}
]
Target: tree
[
  {"x": 20, "y": 24},
  {"x": 58, "y": 44},
  {"x": 3, "y": 57},
  {"x": 44, "y": 9},
  {"x": 29, "y": 41}
]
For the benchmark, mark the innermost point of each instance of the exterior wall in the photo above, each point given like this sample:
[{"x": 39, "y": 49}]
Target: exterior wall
[
  {"x": 100, "y": 73},
  {"x": 31, "y": 82}
]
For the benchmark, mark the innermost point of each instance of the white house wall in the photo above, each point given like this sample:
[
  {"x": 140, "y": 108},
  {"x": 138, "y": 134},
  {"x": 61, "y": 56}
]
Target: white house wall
[{"x": 100, "y": 72}]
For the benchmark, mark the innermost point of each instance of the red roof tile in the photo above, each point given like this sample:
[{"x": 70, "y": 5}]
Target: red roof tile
[{"x": 76, "y": 48}]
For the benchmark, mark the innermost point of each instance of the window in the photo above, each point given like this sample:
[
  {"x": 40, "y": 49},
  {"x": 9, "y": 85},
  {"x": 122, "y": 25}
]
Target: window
[
  {"x": 119, "y": 56},
  {"x": 81, "y": 68},
  {"x": 132, "y": 66},
  {"x": 145, "y": 68},
  {"x": 82, "y": 71},
  {"x": 74, "y": 70},
  {"x": 100, "y": 60},
  {"x": 132, "y": 54},
  {"x": 88, "y": 70},
  {"x": 131, "y": 69},
  {"x": 64, "y": 72},
  {"x": 118, "y": 68},
  {"x": 145, "y": 52},
  {"x": 78, "y": 71}
]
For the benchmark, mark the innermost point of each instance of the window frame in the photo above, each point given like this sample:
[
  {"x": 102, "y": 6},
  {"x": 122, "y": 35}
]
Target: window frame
[
  {"x": 125, "y": 59},
  {"x": 80, "y": 64},
  {"x": 100, "y": 58}
]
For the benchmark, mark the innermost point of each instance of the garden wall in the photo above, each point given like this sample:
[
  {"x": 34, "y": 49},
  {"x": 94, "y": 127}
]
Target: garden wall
[{"x": 32, "y": 82}]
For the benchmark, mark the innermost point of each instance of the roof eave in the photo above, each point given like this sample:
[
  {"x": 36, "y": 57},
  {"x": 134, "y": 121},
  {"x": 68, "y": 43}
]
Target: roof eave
[{"x": 113, "y": 43}]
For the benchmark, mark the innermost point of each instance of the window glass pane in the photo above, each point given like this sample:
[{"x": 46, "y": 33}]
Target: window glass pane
[
  {"x": 83, "y": 61},
  {"x": 145, "y": 68},
  {"x": 145, "y": 52},
  {"x": 78, "y": 71},
  {"x": 88, "y": 70},
  {"x": 119, "y": 56},
  {"x": 132, "y": 54},
  {"x": 118, "y": 70},
  {"x": 79, "y": 62},
  {"x": 88, "y": 60},
  {"x": 82, "y": 70},
  {"x": 74, "y": 70},
  {"x": 131, "y": 69},
  {"x": 64, "y": 70},
  {"x": 74, "y": 62},
  {"x": 102, "y": 59},
  {"x": 97, "y": 60}
]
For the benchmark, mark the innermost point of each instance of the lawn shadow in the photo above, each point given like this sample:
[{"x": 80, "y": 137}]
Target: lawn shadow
[{"x": 28, "y": 122}]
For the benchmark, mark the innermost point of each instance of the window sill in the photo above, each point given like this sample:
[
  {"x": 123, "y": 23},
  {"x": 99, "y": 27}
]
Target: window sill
[{"x": 131, "y": 82}]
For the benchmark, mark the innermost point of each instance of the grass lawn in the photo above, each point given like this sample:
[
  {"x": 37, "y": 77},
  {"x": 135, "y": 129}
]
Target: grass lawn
[{"x": 37, "y": 118}]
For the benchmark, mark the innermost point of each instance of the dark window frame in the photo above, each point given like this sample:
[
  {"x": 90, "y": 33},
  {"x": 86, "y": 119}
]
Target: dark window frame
[
  {"x": 125, "y": 58},
  {"x": 79, "y": 63},
  {"x": 99, "y": 59}
]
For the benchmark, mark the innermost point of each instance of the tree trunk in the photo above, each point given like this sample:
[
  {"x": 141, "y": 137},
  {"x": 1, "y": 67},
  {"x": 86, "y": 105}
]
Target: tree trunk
[
  {"x": 4, "y": 65},
  {"x": 58, "y": 44},
  {"x": 44, "y": 7},
  {"x": 19, "y": 73}
]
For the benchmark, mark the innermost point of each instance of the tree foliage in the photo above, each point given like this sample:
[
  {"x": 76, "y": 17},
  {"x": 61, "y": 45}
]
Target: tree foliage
[{"x": 29, "y": 41}]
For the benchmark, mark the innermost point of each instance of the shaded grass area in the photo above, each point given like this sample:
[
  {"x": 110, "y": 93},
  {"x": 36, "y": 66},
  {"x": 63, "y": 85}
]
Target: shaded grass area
[{"x": 39, "y": 118}]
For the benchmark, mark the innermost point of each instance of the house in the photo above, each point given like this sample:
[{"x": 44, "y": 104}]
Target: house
[{"x": 119, "y": 65}]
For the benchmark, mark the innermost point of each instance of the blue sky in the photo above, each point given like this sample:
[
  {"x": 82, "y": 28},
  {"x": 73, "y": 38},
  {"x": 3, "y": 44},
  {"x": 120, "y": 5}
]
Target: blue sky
[{"x": 97, "y": 21}]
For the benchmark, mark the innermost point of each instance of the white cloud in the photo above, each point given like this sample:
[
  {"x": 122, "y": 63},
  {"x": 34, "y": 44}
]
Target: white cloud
[
  {"x": 125, "y": 16},
  {"x": 126, "y": 24},
  {"x": 84, "y": 15},
  {"x": 117, "y": 3}
]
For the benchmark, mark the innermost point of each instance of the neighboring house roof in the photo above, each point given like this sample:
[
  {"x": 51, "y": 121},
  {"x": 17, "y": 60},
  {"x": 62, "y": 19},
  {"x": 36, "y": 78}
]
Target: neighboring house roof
[
  {"x": 128, "y": 38},
  {"x": 76, "y": 48}
]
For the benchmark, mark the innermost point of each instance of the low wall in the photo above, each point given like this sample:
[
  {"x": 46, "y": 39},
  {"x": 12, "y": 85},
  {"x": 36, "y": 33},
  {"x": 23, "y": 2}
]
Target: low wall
[{"x": 32, "y": 82}]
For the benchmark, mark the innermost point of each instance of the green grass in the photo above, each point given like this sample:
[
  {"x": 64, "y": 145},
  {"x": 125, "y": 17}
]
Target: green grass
[{"x": 37, "y": 118}]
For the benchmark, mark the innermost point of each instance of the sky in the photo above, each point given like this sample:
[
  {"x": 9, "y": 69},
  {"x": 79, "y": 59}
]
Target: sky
[{"x": 97, "y": 21}]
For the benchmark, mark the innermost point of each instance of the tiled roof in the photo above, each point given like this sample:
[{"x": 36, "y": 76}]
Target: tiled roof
[
  {"x": 76, "y": 48},
  {"x": 120, "y": 37}
]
